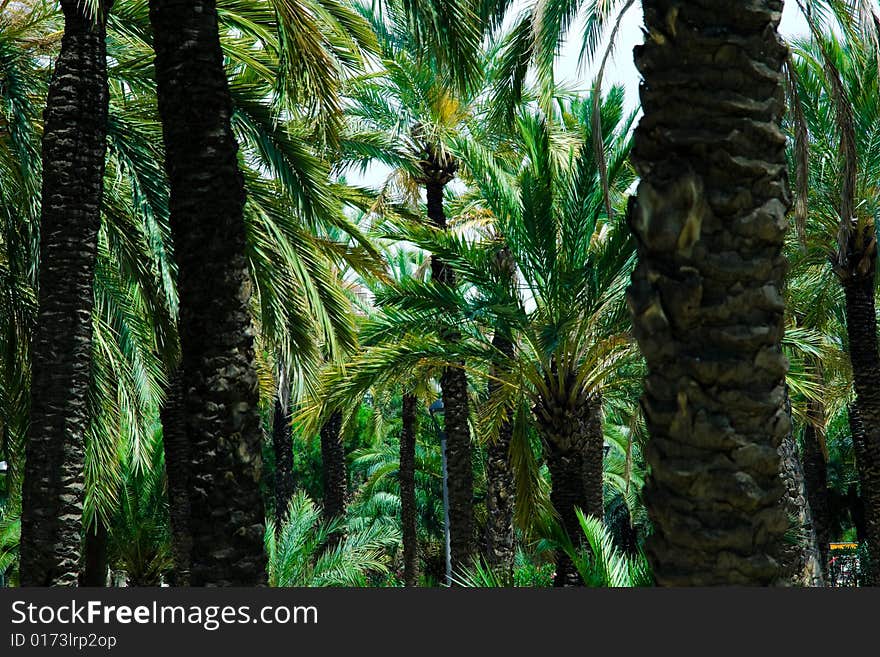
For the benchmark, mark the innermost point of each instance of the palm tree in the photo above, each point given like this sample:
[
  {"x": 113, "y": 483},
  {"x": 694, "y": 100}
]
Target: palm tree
[
  {"x": 603, "y": 565},
  {"x": 282, "y": 446},
  {"x": 851, "y": 78},
  {"x": 74, "y": 146},
  {"x": 500, "y": 484},
  {"x": 406, "y": 116},
  {"x": 177, "y": 459},
  {"x": 438, "y": 170},
  {"x": 129, "y": 319},
  {"x": 816, "y": 480},
  {"x": 23, "y": 44},
  {"x": 547, "y": 202},
  {"x": 402, "y": 479},
  {"x": 140, "y": 541},
  {"x": 297, "y": 554},
  {"x": 407, "y": 475},
  {"x": 800, "y": 558},
  {"x": 403, "y": 264},
  {"x": 334, "y": 469},
  {"x": 216, "y": 333},
  {"x": 706, "y": 297},
  {"x": 297, "y": 300},
  {"x": 821, "y": 374},
  {"x": 215, "y": 323},
  {"x": 572, "y": 259}
]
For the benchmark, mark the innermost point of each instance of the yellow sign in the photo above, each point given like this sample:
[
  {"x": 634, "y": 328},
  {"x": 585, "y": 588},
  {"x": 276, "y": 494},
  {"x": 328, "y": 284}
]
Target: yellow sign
[{"x": 844, "y": 546}]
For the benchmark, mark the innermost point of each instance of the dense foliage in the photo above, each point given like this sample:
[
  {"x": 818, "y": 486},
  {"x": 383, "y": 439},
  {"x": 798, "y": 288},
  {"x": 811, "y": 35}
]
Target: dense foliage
[{"x": 281, "y": 375}]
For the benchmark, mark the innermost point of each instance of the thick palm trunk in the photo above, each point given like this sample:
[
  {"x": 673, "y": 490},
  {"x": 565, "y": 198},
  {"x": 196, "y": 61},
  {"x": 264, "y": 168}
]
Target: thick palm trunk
[
  {"x": 801, "y": 560},
  {"x": 216, "y": 333},
  {"x": 407, "y": 475},
  {"x": 853, "y": 501},
  {"x": 74, "y": 145},
  {"x": 95, "y": 555},
  {"x": 456, "y": 408},
  {"x": 499, "y": 483},
  {"x": 710, "y": 221},
  {"x": 334, "y": 470},
  {"x": 816, "y": 481},
  {"x": 177, "y": 470},
  {"x": 282, "y": 445},
  {"x": 573, "y": 441},
  {"x": 861, "y": 327}
]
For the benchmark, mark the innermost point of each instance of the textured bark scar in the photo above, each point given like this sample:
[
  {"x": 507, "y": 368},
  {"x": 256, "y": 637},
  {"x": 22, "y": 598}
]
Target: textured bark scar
[{"x": 671, "y": 218}]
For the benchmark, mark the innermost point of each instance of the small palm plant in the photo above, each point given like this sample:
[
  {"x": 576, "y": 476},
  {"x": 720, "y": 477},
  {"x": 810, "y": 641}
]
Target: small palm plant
[
  {"x": 140, "y": 532},
  {"x": 302, "y": 551},
  {"x": 600, "y": 563},
  {"x": 604, "y": 564}
]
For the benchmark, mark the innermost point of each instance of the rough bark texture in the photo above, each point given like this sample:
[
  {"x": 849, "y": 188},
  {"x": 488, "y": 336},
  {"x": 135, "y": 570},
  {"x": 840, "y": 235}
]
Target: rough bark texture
[
  {"x": 710, "y": 220},
  {"x": 816, "y": 482},
  {"x": 282, "y": 444},
  {"x": 74, "y": 145},
  {"x": 861, "y": 327},
  {"x": 865, "y": 506},
  {"x": 456, "y": 406},
  {"x": 852, "y": 502},
  {"x": 407, "y": 476},
  {"x": 216, "y": 334},
  {"x": 95, "y": 565},
  {"x": 333, "y": 460},
  {"x": 177, "y": 469},
  {"x": 500, "y": 490},
  {"x": 573, "y": 441},
  {"x": 801, "y": 560}
]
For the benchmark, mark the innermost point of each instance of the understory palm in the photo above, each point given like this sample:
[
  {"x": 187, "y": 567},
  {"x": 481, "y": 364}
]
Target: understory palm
[
  {"x": 301, "y": 553},
  {"x": 852, "y": 241}
]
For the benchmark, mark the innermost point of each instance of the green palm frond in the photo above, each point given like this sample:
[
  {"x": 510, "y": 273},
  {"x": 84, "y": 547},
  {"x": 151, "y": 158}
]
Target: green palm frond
[
  {"x": 606, "y": 565},
  {"x": 10, "y": 538},
  {"x": 140, "y": 533},
  {"x": 297, "y": 554}
]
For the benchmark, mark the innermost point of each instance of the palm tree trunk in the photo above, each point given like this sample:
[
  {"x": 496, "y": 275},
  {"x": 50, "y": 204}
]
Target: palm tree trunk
[
  {"x": 816, "y": 481},
  {"x": 74, "y": 146},
  {"x": 456, "y": 409},
  {"x": 864, "y": 516},
  {"x": 853, "y": 502},
  {"x": 407, "y": 474},
  {"x": 861, "y": 328},
  {"x": 177, "y": 470},
  {"x": 499, "y": 483},
  {"x": 801, "y": 560},
  {"x": 566, "y": 494},
  {"x": 333, "y": 460},
  {"x": 282, "y": 444},
  {"x": 710, "y": 222},
  {"x": 95, "y": 557},
  {"x": 573, "y": 441},
  {"x": 216, "y": 332}
]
